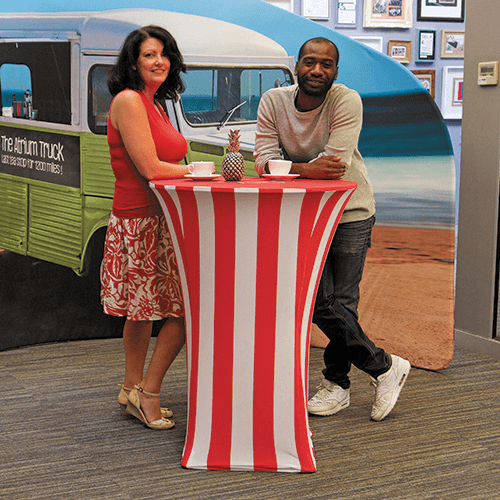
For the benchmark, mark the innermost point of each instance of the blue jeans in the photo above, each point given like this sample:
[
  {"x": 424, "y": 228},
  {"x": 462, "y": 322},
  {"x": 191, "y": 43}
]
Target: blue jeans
[{"x": 336, "y": 307}]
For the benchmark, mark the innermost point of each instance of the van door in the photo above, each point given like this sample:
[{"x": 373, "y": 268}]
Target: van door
[{"x": 40, "y": 202}]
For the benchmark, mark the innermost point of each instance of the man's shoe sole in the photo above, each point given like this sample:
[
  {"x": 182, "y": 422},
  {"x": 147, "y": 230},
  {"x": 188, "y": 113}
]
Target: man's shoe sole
[
  {"x": 326, "y": 413},
  {"x": 395, "y": 394}
]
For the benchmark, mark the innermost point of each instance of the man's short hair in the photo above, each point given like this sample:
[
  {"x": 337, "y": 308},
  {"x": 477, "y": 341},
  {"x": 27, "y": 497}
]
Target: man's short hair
[{"x": 319, "y": 39}]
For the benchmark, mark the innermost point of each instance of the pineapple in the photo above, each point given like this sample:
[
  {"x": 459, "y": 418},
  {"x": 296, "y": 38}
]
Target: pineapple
[{"x": 233, "y": 165}]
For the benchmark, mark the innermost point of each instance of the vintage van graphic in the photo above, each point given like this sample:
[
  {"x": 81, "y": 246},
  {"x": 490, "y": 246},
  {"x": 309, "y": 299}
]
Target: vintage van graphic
[{"x": 56, "y": 183}]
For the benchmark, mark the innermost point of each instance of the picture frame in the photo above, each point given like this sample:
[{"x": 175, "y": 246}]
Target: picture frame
[
  {"x": 400, "y": 50},
  {"x": 318, "y": 10},
  {"x": 441, "y": 10},
  {"x": 375, "y": 42},
  {"x": 426, "y": 44},
  {"x": 452, "y": 92},
  {"x": 388, "y": 13},
  {"x": 452, "y": 44},
  {"x": 428, "y": 79},
  {"x": 282, "y": 4},
  {"x": 346, "y": 13}
]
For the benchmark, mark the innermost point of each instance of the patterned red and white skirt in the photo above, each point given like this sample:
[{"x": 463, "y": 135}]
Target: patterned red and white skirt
[{"x": 139, "y": 275}]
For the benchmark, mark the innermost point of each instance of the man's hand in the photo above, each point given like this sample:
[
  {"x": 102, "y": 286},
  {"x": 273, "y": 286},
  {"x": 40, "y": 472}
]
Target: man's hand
[{"x": 325, "y": 167}]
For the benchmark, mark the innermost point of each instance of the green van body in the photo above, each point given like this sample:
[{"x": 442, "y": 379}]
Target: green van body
[{"x": 56, "y": 182}]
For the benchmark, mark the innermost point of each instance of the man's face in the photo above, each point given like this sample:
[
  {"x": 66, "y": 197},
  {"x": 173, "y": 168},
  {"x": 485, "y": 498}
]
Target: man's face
[{"x": 317, "y": 70}]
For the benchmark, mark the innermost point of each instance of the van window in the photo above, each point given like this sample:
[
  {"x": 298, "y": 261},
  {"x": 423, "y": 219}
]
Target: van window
[
  {"x": 99, "y": 99},
  {"x": 43, "y": 68},
  {"x": 15, "y": 81},
  {"x": 212, "y": 94}
]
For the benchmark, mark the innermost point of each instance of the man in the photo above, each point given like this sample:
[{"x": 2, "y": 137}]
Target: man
[{"x": 316, "y": 125}]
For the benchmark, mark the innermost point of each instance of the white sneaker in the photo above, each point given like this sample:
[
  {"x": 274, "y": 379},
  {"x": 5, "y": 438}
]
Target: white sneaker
[
  {"x": 330, "y": 399},
  {"x": 388, "y": 386}
]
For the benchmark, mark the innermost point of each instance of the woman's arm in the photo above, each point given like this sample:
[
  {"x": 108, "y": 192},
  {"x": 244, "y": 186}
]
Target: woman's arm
[{"x": 129, "y": 116}]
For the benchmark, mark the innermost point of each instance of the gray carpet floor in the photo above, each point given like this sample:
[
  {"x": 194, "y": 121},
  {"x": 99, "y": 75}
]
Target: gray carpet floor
[{"x": 63, "y": 437}]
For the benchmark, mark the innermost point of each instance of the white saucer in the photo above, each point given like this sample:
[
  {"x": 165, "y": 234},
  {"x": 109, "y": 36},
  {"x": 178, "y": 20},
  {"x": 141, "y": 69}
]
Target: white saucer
[
  {"x": 208, "y": 177},
  {"x": 280, "y": 177}
]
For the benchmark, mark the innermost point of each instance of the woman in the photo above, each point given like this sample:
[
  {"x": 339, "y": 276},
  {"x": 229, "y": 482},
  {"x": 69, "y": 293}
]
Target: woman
[{"x": 140, "y": 277}]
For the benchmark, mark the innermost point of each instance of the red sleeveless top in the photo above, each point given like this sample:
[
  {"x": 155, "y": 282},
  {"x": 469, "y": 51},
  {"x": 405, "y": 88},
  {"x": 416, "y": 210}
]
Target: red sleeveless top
[{"x": 133, "y": 197}]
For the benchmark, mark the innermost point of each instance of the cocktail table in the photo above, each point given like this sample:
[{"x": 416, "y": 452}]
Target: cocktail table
[{"x": 250, "y": 255}]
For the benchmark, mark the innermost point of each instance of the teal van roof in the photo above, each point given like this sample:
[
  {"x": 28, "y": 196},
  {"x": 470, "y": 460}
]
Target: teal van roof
[{"x": 198, "y": 37}]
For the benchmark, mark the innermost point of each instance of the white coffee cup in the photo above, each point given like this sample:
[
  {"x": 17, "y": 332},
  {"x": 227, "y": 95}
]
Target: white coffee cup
[
  {"x": 279, "y": 167},
  {"x": 202, "y": 167}
]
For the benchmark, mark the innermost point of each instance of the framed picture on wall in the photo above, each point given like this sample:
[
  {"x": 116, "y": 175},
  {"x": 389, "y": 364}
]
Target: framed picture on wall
[
  {"x": 388, "y": 13},
  {"x": 346, "y": 13},
  {"x": 282, "y": 4},
  {"x": 375, "y": 42},
  {"x": 452, "y": 93},
  {"x": 441, "y": 10},
  {"x": 400, "y": 50},
  {"x": 426, "y": 45},
  {"x": 316, "y": 9},
  {"x": 428, "y": 79},
  {"x": 452, "y": 44}
]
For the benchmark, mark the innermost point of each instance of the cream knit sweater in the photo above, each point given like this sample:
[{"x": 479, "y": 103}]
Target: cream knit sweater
[{"x": 331, "y": 129}]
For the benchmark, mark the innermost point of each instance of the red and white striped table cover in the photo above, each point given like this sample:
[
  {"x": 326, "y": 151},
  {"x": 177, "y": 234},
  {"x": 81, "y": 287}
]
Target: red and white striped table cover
[{"x": 250, "y": 256}]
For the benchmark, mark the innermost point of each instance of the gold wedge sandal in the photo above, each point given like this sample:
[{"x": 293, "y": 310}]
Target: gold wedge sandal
[
  {"x": 123, "y": 402},
  {"x": 134, "y": 409}
]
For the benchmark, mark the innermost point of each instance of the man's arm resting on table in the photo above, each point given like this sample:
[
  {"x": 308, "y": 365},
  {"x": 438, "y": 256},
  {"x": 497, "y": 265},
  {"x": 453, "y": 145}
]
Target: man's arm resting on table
[{"x": 324, "y": 167}]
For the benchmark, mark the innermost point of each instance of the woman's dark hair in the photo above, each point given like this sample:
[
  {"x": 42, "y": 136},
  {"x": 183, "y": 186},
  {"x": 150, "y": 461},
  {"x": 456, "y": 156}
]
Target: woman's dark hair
[{"x": 123, "y": 75}]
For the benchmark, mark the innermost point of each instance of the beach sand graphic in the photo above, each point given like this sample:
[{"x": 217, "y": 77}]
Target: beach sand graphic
[{"x": 407, "y": 295}]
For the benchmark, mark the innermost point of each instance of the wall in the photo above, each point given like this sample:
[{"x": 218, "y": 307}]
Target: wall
[
  {"x": 477, "y": 250},
  {"x": 476, "y": 142},
  {"x": 410, "y": 34}
]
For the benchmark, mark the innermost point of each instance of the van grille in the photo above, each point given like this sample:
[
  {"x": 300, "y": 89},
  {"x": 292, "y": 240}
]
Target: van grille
[
  {"x": 97, "y": 176},
  {"x": 55, "y": 226},
  {"x": 13, "y": 215}
]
